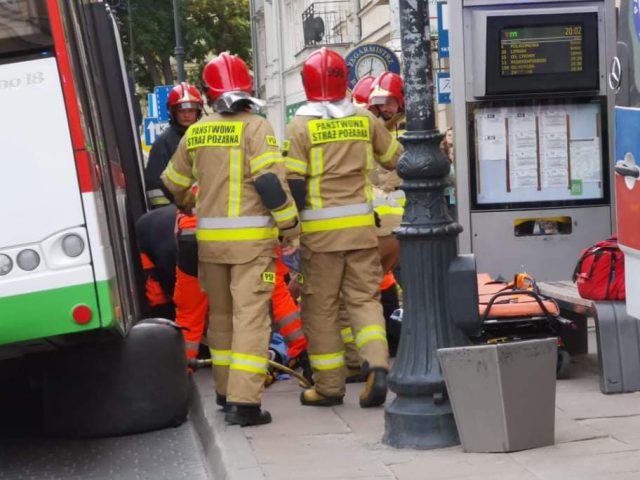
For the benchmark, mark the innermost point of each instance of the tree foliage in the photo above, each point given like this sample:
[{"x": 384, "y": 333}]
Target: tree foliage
[{"x": 208, "y": 27}]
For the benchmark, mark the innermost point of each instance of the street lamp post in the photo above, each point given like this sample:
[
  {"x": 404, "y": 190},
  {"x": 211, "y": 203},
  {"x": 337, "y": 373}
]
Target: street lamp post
[
  {"x": 179, "y": 50},
  {"x": 421, "y": 415}
]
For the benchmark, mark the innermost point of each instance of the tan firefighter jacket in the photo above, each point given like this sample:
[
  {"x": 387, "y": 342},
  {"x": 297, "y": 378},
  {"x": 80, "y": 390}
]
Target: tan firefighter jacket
[
  {"x": 335, "y": 157},
  {"x": 225, "y": 154}
]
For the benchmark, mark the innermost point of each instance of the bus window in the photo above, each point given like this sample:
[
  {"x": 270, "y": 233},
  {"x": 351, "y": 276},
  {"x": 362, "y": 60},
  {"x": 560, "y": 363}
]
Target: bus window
[{"x": 24, "y": 28}]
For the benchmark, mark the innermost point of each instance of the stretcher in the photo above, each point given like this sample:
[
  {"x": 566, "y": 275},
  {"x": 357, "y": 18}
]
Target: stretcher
[{"x": 512, "y": 311}]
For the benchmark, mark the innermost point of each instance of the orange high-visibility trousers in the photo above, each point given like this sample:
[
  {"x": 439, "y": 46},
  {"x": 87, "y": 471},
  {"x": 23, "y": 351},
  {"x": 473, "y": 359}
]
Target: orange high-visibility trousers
[
  {"x": 153, "y": 290},
  {"x": 286, "y": 312},
  {"x": 191, "y": 310},
  {"x": 190, "y": 300}
]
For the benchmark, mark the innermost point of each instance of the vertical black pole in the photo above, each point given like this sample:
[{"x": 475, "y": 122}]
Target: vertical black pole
[
  {"x": 179, "y": 50},
  {"x": 421, "y": 415}
]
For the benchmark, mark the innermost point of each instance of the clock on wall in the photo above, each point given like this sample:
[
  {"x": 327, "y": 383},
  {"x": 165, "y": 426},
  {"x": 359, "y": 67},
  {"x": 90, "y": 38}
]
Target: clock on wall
[{"x": 370, "y": 59}]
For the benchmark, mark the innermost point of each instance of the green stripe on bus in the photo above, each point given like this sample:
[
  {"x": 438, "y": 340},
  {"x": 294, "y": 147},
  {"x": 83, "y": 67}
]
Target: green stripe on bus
[{"x": 48, "y": 313}]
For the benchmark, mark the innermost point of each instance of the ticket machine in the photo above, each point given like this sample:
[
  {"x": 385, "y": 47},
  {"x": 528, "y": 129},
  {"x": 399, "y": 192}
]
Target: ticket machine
[{"x": 533, "y": 131}]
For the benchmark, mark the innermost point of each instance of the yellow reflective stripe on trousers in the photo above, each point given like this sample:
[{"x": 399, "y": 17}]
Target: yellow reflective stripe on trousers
[
  {"x": 317, "y": 167},
  {"x": 328, "y": 361},
  {"x": 235, "y": 182},
  {"x": 249, "y": 363},
  {"x": 237, "y": 234},
  {"x": 177, "y": 178},
  {"x": 347, "y": 335},
  {"x": 295, "y": 165},
  {"x": 391, "y": 151},
  {"x": 284, "y": 214},
  {"x": 264, "y": 160},
  {"x": 369, "y": 334},
  {"x": 221, "y": 358},
  {"x": 311, "y": 226}
]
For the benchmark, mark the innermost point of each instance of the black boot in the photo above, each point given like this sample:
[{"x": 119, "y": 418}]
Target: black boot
[
  {"x": 375, "y": 390},
  {"x": 221, "y": 400},
  {"x": 246, "y": 415}
]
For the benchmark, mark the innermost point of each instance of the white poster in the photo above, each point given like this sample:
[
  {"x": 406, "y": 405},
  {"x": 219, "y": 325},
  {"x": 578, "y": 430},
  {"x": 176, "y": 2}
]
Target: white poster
[
  {"x": 491, "y": 136},
  {"x": 585, "y": 160},
  {"x": 523, "y": 150},
  {"x": 554, "y": 153}
]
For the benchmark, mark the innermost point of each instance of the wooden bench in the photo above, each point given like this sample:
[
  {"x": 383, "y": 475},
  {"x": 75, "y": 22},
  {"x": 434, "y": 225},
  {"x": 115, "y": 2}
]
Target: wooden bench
[{"x": 617, "y": 334}]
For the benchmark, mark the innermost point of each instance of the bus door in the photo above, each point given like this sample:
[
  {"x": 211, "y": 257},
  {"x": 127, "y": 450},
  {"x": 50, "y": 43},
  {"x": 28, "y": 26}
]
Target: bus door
[
  {"x": 104, "y": 90},
  {"x": 625, "y": 76}
]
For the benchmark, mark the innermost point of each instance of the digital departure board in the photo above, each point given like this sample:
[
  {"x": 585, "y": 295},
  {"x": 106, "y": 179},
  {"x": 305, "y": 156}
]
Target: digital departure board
[
  {"x": 544, "y": 49},
  {"x": 542, "y": 53}
]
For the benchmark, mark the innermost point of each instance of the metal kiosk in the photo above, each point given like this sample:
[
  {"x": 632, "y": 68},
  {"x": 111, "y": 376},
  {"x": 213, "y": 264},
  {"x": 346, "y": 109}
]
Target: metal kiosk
[{"x": 533, "y": 131}]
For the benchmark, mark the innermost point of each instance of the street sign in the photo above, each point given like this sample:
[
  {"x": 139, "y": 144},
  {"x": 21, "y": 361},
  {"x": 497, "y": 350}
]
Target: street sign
[
  {"x": 153, "y": 127},
  {"x": 444, "y": 87},
  {"x": 162, "y": 95},
  {"x": 443, "y": 29},
  {"x": 152, "y": 107}
]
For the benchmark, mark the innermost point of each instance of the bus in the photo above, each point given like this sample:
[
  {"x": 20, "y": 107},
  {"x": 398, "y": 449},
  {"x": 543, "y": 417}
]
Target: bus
[{"x": 71, "y": 172}]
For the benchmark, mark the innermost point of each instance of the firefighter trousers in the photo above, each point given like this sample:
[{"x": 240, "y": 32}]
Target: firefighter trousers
[
  {"x": 354, "y": 277},
  {"x": 239, "y": 326}
]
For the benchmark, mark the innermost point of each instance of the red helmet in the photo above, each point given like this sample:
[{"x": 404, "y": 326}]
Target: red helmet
[
  {"x": 325, "y": 76},
  {"x": 226, "y": 73},
  {"x": 184, "y": 96},
  {"x": 387, "y": 85},
  {"x": 361, "y": 91}
]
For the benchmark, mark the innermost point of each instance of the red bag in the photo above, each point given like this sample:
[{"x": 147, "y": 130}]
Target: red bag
[{"x": 599, "y": 273}]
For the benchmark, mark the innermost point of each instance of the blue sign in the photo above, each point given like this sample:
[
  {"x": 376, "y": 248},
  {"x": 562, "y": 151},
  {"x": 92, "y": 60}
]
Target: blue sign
[
  {"x": 162, "y": 95},
  {"x": 444, "y": 87},
  {"x": 443, "y": 29},
  {"x": 152, "y": 107},
  {"x": 370, "y": 59},
  {"x": 153, "y": 127}
]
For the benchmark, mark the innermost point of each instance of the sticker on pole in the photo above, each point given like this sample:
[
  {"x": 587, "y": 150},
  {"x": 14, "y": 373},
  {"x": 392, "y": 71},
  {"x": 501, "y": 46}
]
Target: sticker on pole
[{"x": 444, "y": 87}]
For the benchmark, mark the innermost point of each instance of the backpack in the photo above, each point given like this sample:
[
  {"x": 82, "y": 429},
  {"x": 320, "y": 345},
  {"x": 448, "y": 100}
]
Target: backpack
[{"x": 599, "y": 273}]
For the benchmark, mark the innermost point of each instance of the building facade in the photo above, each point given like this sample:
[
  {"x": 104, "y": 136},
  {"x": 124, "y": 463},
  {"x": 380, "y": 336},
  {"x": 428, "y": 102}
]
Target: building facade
[{"x": 285, "y": 32}]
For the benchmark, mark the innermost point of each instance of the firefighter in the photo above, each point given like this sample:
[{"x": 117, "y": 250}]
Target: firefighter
[
  {"x": 387, "y": 95},
  {"x": 242, "y": 203},
  {"x": 185, "y": 107},
  {"x": 333, "y": 146},
  {"x": 360, "y": 94}
]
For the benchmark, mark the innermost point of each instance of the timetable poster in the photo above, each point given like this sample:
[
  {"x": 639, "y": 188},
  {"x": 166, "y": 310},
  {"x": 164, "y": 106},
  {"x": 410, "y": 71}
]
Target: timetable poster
[{"x": 538, "y": 153}]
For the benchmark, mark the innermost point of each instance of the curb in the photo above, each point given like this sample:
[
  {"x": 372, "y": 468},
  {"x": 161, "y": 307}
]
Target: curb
[{"x": 227, "y": 452}]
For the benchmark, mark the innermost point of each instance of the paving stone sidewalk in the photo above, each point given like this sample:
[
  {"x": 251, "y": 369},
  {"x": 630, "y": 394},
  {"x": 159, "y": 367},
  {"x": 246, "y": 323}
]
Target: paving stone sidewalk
[{"x": 597, "y": 437}]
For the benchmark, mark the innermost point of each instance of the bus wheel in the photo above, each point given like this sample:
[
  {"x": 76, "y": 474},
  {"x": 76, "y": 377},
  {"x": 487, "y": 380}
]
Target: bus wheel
[{"x": 130, "y": 385}]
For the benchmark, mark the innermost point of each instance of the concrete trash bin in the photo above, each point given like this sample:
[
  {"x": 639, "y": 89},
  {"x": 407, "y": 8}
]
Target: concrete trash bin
[{"x": 503, "y": 396}]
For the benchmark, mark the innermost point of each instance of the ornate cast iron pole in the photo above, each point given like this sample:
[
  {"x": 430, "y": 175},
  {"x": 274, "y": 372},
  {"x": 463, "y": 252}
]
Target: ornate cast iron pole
[
  {"x": 421, "y": 415},
  {"x": 178, "y": 51}
]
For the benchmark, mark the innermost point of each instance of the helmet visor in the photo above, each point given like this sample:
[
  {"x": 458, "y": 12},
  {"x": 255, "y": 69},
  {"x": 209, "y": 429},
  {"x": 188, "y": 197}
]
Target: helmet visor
[{"x": 188, "y": 105}]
